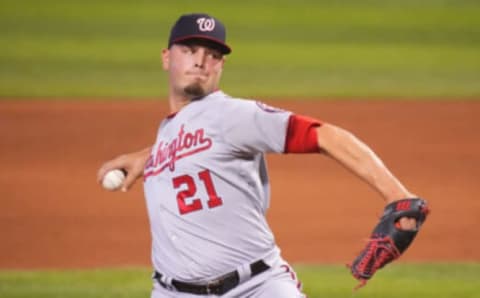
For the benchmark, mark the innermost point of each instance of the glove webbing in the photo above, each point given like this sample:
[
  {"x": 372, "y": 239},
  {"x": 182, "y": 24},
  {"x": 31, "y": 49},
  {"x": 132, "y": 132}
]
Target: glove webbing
[{"x": 381, "y": 251}]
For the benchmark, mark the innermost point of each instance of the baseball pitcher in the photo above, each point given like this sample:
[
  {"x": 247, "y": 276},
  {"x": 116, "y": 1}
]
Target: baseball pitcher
[{"x": 207, "y": 188}]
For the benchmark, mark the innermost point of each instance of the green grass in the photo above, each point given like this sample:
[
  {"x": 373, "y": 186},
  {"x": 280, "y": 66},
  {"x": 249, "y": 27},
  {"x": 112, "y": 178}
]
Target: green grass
[
  {"x": 397, "y": 280},
  {"x": 280, "y": 48}
]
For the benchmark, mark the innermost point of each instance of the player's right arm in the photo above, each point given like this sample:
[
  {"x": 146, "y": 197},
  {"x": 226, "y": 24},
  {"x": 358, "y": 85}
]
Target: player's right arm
[{"x": 133, "y": 163}]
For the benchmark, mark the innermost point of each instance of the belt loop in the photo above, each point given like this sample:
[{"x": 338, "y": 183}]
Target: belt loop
[
  {"x": 244, "y": 272},
  {"x": 167, "y": 280},
  {"x": 163, "y": 280}
]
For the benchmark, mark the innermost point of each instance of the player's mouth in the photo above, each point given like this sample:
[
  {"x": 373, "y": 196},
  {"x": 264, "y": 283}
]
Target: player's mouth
[{"x": 197, "y": 75}]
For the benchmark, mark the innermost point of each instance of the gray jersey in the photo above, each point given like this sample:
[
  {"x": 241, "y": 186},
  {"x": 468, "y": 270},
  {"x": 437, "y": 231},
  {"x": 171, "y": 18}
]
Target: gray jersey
[{"x": 207, "y": 188}]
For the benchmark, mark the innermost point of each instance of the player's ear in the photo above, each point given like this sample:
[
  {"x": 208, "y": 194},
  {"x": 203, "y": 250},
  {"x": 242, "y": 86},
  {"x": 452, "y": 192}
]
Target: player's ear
[{"x": 165, "y": 58}]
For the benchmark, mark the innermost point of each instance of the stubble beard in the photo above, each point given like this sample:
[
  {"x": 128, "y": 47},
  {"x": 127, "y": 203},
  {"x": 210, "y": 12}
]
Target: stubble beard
[{"x": 195, "y": 90}]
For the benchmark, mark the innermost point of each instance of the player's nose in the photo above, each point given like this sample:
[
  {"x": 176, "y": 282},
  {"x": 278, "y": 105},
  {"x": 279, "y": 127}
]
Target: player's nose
[{"x": 200, "y": 57}]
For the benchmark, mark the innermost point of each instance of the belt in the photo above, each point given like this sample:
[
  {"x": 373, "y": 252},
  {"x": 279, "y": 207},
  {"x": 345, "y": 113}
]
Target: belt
[{"x": 217, "y": 286}]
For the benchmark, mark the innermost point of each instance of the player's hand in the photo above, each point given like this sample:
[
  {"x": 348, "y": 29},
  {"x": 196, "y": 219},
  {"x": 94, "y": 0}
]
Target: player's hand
[
  {"x": 132, "y": 163},
  {"x": 407, "y": 224},
  {"x": 396, "y": 230}
]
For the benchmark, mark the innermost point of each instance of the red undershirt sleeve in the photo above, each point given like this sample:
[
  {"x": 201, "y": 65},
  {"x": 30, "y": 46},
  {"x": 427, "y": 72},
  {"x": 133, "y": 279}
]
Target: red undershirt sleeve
[{"x": 302, "y": 135}]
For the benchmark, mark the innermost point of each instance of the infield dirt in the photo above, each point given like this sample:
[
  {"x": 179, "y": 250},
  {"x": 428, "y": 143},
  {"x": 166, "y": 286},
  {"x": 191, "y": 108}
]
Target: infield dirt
[{"x": 54, "y": 215}]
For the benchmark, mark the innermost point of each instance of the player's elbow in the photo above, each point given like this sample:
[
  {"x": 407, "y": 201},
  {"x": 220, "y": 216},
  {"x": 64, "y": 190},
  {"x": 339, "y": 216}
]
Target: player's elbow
[{"x": 330, "y": 137}]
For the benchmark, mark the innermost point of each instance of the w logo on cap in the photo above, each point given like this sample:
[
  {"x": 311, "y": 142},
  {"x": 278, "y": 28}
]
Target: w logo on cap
[
  {"x": 199, "y": 26},
  {"x": 206, "y": 24}
]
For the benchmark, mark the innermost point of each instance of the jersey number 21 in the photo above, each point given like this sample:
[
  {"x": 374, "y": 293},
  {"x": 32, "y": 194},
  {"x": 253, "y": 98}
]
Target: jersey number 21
[{"x": 191, "y": 188}]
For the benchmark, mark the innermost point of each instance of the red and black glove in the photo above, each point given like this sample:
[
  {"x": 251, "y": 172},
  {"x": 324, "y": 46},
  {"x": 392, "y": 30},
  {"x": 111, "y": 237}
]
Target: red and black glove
[{"x": 388, "y": 241}]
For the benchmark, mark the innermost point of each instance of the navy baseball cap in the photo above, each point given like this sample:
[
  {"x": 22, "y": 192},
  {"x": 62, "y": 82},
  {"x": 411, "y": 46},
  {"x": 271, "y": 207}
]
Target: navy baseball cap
[{"x": 199, "y": 26}]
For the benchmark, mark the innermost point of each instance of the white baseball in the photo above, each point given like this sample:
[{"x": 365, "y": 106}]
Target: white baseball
[{"x": 113, "y": 180}]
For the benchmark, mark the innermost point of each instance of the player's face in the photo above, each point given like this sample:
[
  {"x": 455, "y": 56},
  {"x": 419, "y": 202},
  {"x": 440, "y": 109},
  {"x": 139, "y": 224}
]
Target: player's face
[{"x": 194, "y": 68}]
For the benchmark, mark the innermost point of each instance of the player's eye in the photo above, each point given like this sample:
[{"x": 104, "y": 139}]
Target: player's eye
[
  {"x": 186, "y": 49},
  {"x": 214, "y": 54}
]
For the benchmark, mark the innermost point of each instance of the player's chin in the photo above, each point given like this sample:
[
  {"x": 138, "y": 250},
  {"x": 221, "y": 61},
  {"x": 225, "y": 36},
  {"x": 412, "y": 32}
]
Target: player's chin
[{"x": 195, "y": 90}]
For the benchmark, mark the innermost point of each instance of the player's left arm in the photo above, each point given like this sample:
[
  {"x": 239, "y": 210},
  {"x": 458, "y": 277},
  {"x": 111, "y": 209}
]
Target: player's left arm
[
  {"x": 403, "y": 214},
  {"x": 357, "y": 157},
  {"x": 308, "y": 135}
]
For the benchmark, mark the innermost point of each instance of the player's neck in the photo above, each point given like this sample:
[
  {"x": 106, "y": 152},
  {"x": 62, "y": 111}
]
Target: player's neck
[{"x": 178, "y": 102}]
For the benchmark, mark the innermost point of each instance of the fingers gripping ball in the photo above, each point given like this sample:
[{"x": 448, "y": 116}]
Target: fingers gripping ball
[
  {"x": 113, "y": 179},
  {"x": 387, "y": 241}
]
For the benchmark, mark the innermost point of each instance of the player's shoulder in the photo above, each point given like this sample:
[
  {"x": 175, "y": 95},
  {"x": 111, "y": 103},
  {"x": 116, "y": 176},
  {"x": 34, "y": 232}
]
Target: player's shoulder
[
  {"x": 239, "y": 103},
  {"x": 228, "y": 99},
  {"x": 227, "y": 104}
]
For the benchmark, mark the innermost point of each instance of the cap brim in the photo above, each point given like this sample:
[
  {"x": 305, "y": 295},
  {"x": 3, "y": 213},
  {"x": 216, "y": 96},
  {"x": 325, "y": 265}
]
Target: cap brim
[{"x": 216, "y": 43}]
